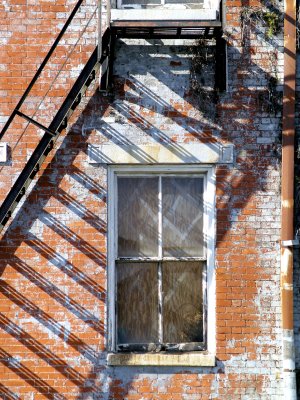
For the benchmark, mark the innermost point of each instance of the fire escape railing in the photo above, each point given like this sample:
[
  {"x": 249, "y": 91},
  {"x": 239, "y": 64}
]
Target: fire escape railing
[
  {"x": 41, "y": 67},
  {"x": 59, "y": 122}
]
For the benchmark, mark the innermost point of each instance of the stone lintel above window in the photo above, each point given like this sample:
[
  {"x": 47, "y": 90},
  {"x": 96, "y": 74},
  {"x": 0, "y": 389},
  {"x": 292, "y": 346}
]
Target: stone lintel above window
[{"x": 157, "y": 153}]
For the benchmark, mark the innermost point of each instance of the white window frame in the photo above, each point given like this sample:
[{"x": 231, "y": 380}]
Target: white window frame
[{"x": 208, "y": 171}]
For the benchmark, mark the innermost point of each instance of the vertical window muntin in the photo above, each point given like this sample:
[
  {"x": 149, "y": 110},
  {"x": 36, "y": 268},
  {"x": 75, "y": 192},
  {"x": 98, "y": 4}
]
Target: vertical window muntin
[{"x": 160, "y": 259}]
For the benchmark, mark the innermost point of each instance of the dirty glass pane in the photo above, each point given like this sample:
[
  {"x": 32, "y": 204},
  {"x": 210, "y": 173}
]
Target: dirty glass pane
[
  {"x": 182, "y": 216},
  {"x": 137, "y": 302},
  {"x": 137, "y": 217},
  {"x": 182, "y": 302}
]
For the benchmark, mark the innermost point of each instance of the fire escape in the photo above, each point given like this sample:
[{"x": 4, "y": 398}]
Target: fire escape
[{"x": 144, "y": 19}]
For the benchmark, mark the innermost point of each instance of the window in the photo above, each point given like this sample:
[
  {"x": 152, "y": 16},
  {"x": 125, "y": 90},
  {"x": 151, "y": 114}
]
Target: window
[{"x": 161, "y": 237}]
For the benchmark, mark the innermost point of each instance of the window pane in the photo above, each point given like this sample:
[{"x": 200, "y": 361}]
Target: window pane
[
  {"x": 137, "y": 302},
  {"x": 182, "y": 216},
  {"x": 138, "y": 217},
  {"x": 182, "y": 302}
]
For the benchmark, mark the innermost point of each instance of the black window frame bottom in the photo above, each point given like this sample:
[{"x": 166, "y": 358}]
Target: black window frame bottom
[{"x": 159, "y": 347}]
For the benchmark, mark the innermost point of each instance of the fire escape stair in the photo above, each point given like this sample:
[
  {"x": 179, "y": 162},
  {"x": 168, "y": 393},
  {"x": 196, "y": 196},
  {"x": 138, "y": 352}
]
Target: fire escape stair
[{"x": 59, "y": 122}]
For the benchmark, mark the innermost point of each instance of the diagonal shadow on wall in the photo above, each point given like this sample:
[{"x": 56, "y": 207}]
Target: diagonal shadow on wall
[{"x": 235, "y": 191}]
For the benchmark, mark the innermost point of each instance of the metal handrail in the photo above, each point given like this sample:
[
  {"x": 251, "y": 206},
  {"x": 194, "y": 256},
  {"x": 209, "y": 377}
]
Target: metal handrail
[
  {"x": 40, "y": 69},
  {"x": 46, "y": 144}
]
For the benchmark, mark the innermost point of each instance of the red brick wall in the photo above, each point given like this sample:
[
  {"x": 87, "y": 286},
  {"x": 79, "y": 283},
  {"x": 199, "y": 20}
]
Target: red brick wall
[{"x": 53, "y": 253}]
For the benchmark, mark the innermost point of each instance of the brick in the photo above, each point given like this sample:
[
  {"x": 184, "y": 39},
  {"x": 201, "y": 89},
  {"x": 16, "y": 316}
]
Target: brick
[{"x": 53, "y": 277}]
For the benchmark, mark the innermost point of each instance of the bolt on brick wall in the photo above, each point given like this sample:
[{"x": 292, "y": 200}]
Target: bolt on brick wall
[{"x": 54, "y": 252}]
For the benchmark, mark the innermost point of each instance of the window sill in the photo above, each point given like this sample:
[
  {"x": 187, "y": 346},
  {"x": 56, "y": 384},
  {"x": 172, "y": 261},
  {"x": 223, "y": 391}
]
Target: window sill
[{"x": 195, "y": 359}]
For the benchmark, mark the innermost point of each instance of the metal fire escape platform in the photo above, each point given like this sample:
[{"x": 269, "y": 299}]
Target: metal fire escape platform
[
  {"x": 167, "y": 19},
  {"x": 167, "y": 30}
]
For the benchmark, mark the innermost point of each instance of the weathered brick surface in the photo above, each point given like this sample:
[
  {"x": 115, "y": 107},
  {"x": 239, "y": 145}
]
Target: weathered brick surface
[{"x": 53, "y": 254}]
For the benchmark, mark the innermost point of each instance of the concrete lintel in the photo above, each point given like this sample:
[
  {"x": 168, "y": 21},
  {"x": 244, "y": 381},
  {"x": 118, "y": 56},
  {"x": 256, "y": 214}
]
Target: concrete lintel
[
  {"x": 157, "y": 153},
  {"x": 196, "y": 359}
]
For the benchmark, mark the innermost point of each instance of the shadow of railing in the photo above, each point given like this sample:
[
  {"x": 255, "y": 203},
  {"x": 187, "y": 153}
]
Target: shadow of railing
[
  {"x": 81, "y": 211},
  {"x": 73, "y": 238},
  {"x": 58, "y": 261},
  {"x": 9, "y": 244},
  {"x": 37, "y": 348},
  {"x": 83, "y": 179},
  {"x": 52, "y": 290},
  {"x": 27, "y": 375},
  {"x": 47, "y": 321},
  {"x": 6, "y": 394}
]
